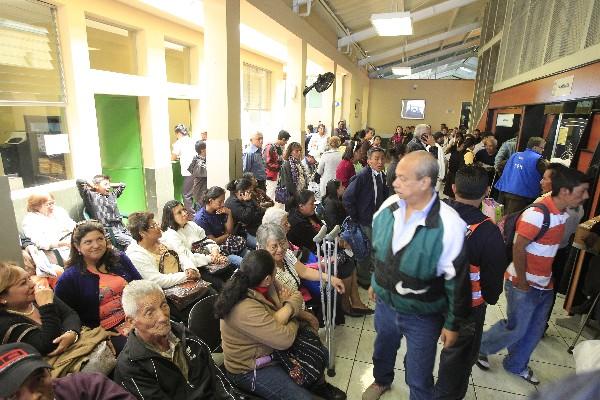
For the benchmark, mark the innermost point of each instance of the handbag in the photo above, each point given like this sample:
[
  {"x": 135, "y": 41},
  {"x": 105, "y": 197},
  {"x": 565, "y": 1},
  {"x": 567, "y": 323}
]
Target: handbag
[
  {"x": 234, "y": 244},
  {"x": 305, "y": 360},
  {"x": 281, "y": 193},
  {"x": 182, "y": 294}
]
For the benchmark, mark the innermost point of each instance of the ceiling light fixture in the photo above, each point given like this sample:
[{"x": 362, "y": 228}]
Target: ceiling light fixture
[
  {"x": 392, "y": 24},
  {"x": 401, "y": 71}
]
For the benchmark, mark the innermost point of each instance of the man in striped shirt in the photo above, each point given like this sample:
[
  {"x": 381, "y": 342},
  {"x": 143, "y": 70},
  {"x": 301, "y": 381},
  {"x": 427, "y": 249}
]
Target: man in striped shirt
[{"x": 528, "y": 285}]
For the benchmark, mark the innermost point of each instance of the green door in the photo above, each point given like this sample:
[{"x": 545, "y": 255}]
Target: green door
[{"x": 121, "y": 148}]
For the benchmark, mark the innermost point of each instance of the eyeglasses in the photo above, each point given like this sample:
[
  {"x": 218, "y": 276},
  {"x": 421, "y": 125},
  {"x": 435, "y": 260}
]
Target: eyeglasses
[{"x": 154, "y": 225}]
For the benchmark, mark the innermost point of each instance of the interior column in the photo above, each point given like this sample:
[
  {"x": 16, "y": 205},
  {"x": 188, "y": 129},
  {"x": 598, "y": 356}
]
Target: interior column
[
  {"x": 222, "y": 90},
  {"x": 295, "y": 103}
]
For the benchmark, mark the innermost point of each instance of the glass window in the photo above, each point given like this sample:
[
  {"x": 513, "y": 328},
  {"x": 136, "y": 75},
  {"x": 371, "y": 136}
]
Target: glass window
[
  {"x": 111, "y": 48},
  {"x": 314, "y": 99},
  {"x": 177, "y": 60},
  {"x": 256, "y": 91},
  {"x": 30, "y": 68},
  {"x": 34, "y": 146}
]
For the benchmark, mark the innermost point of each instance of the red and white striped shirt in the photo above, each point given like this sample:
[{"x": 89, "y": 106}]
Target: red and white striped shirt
[{"x": 540, "y": 254}]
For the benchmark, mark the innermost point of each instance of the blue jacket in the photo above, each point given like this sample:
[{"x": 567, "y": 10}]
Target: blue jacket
[
  {"x": 359, "y": 197},
  {"x": 521, "y": 176},
  {"x": 254, "y": 162},
  {"x": 80, "y": 290}
]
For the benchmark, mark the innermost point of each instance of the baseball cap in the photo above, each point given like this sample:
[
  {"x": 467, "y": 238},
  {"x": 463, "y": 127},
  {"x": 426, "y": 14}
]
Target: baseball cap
[{"x": 17, "y": 362}]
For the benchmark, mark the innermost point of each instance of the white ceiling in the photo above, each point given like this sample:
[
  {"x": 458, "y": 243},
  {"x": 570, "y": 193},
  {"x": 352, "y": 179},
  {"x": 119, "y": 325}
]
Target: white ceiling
[{"x": 440, "y": 45}]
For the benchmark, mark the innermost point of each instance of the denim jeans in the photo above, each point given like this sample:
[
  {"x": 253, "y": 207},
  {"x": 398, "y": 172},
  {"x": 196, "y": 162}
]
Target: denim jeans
[
  {"x": 271, "y": 382},
  {"x": 422, "y": 333},
  {"x": 527, "y": 312}
]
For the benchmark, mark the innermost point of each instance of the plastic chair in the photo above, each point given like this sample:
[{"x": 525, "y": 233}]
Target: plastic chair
[{"x": 203, "y": 323}]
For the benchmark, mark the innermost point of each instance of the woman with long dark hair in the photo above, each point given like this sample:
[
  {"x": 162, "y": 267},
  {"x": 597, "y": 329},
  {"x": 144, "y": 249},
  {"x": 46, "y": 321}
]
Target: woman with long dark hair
[
  {"x": 293, "y": 175},
  {"x": 94, "y": 278},
  {"x": 257, "y": 320},
  {"x": 245, "y": 211},
  {"x": 193, "y": 247}
]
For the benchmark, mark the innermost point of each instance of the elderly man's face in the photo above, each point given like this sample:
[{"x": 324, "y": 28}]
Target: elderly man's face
[
  {"x": 406, "y": 185},
  {"x": 152, "y": 318},
  {"x": 37, "y": 386},
  {"x": 257, "y": 140}
]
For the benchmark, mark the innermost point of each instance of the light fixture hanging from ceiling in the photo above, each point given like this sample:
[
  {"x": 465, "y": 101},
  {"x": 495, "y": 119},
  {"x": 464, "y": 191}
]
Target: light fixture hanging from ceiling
[
  {"x": 401, "y": 71},
  {"x": 392, "y": 24}
]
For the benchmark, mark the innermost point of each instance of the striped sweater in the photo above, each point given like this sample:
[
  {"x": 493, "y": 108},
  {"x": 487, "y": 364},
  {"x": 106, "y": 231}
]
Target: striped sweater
[{"x": 540, "y": 254}]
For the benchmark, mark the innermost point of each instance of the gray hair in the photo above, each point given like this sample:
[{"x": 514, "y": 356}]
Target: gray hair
[
  {"x": 274, "y": 215},
  {"x": 421, "y": 128},
  {"x": 427, "y": 165},
  {"x": 268, "y": 232},
  {"x": 492, "y": 140},
  {"x": 134, "y": 292}
]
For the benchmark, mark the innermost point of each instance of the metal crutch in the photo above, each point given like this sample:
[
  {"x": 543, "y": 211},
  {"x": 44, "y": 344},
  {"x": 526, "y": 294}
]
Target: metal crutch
[
  {"x": 331, "y": 241},
  {"x": 318, "y": 239}
]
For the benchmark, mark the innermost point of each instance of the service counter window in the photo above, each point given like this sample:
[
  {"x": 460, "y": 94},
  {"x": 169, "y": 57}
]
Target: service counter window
[
  {"x": 111, "y": 48},
  {"x": 34, "y": 146}
]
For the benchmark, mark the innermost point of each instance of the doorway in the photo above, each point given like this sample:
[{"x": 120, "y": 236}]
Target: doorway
[
  {"x": 179, "y": 113},
  {"x": 121, "y": 148}
]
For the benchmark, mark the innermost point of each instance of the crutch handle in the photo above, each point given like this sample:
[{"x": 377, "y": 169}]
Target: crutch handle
[
  {"x": 321, "y": 235},
  {"x": 334, "y": 232}
]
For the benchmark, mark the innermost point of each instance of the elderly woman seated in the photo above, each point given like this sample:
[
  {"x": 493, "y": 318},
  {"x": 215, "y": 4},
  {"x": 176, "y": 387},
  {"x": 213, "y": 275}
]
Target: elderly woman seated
[
  {"x": 48, "y": 226},
  {"x": 193, "y": 247},
  {"x": 164, "y": 360},
  {"x": 155, "y": 261},
  {"x": 94, "y": 279},
  {"x": 30, "y": 313},
  {"x": 290, "y": 271},
  {"x": 259, "y": 324}
]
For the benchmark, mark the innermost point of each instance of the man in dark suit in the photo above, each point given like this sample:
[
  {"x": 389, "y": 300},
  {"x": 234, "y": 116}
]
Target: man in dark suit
[{"x": 363, "y": 197}]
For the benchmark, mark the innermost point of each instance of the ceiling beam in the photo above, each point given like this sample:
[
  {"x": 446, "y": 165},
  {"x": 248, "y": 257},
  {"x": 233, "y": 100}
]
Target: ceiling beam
[
  {"x": 425, "y": 57},
  {"x": 441, "y": 62},
  {"x": 416, "y": 16},
  {"x": 419, "y": 43}
]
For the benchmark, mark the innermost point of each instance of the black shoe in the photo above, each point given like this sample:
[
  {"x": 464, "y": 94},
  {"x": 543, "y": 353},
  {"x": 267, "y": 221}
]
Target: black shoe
[
  {"x": 362, "y": 311},
  {"x": 328, "y": 392}
]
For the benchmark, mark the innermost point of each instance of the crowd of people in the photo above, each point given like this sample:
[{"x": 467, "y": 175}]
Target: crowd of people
[{"x": 109, "y": 309}]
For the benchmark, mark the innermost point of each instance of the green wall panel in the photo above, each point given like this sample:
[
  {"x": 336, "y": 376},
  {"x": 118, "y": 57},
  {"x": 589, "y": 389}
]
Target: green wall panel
[{"x": 121, "y": 148}]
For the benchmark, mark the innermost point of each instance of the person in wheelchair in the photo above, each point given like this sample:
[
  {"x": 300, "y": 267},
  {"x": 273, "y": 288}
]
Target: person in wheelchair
[{"x": 100, "y": 200}]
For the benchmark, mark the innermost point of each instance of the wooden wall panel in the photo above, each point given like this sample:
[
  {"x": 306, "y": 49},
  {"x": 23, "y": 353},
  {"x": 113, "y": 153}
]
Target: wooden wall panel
[{"x": 585, "y": 84}]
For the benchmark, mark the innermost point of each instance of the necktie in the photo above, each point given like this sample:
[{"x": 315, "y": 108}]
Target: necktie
[{"x": 379, "y": 194}]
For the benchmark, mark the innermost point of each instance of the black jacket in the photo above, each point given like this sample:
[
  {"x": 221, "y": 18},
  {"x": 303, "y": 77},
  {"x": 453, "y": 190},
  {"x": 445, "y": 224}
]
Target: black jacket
[
  {"x": 333, "y": 212},
  {"x": 485, "y": 248},
  {"x": 148, "y": 375},
  {"x": 359, "y": 197},
  {"x": 57, "y": 318},
  {"x": 247, "y": 213},
  {"x": 301, "y": 231}
]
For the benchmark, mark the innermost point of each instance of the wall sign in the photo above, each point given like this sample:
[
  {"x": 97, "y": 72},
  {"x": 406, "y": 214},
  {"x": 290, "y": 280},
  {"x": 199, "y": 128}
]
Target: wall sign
[{"x": 563, "y": 86}]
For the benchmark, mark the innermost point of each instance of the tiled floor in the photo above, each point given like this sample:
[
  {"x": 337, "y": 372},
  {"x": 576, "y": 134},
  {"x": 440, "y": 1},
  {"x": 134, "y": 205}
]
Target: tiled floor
[{"x": 354, "y": 368}]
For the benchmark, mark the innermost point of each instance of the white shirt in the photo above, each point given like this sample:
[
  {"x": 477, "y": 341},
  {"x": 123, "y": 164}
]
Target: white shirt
[
  {"x": 45, "y": 231},
  {"x": 454, "y": 231},
  {"x": 374, "y": 175},
  {"x": 185, "y": 149},
  {"x": 181, "y": 242},
  {"x": 317, "y": 145},
  {"x": 145, "y": 263}
]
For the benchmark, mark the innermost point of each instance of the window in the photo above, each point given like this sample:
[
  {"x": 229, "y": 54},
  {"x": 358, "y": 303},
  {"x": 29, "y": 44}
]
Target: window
[
  {"x": 111, "y": 48},
  {"x": 30, "y": 68},
  {"x": 314, "y": 99},
  {"x": 34, "y": 146},
  {"x": 177, "y": 60},
  {"x": 256, "y": 88}
]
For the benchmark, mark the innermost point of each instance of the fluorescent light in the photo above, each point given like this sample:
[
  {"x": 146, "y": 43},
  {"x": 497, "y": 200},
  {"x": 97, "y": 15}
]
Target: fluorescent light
[
  {"x": 401, "y": 71},
  {"x": 465, "y": 69},
  {"x": 392, "y": 24}
]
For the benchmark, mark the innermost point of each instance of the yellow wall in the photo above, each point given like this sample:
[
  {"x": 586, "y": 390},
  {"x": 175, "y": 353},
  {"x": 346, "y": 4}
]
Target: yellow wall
[{"x": 443, "y": 100}]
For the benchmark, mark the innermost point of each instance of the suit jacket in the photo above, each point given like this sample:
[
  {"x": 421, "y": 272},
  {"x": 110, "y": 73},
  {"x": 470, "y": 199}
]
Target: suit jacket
[{"x": 359, "y": 197}]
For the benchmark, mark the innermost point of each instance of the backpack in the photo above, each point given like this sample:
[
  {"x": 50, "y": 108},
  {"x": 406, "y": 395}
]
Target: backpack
[
  {"x": 356, "y": 238},
  {"x": 508, "y": 227}
]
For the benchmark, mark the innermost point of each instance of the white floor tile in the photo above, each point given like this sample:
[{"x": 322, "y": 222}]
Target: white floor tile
[
  {"x": 553, "y": 350},
  {"x": 362, "y": 377},
  {"x": 346, "y": 341},
  {"x": 493, "y": 314},
  {"x": 491, "y": 394},
  {"x": 547, "y": 373},
  {"x": 499, "y": 379},
  {"x": 343, "y": 370},
  {"x": 354, "y": 322}
]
